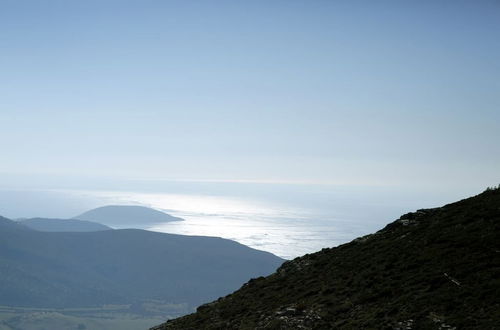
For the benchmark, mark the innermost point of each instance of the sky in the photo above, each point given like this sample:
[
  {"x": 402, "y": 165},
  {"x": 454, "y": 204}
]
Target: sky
[{"x": 353, "y": 93}]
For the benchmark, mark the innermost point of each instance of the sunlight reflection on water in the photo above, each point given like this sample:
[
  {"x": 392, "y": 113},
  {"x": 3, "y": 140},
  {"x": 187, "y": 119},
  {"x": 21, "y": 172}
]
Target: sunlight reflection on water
[
  {"x": 285, "y": 237},
  {"x": 280, "y": 229},
  {"x": 286, "y": 220}
]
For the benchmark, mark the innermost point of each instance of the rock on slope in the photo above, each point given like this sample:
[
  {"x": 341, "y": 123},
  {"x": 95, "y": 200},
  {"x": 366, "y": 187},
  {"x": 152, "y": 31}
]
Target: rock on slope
[{"x": 431, "y": 269}]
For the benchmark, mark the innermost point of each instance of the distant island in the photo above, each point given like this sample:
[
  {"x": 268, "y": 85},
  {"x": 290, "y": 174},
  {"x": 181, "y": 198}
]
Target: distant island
[
  {"x": 430, "y": 269},
  {"x": 63, "y": 225},
  {"x": 126, "y": 215}
]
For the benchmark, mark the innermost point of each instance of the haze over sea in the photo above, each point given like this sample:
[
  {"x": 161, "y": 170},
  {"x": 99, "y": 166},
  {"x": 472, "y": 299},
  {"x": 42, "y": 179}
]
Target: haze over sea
[{"x": 288, "y": 220}]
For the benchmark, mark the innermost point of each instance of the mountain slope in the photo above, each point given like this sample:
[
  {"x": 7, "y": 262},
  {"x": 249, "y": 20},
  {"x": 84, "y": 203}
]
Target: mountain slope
[
  {"x": 126, "y": 215},
  {"x": 431, "y": 269},
  {"x": 76, "y": 269},
  {"x": 62, "y": 225},
  {"x": 7, "y": 225}
]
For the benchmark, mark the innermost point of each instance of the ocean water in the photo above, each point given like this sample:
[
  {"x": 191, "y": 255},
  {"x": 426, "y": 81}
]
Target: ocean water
[
  {"x": 285, "y": 229},
  {"x": 288, "y": 221},
  {"x": 285, "y": 237},
  {"x": 286, "y": 232}
]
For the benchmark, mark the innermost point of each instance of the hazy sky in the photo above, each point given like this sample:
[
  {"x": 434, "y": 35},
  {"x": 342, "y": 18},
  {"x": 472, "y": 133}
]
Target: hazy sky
[{"x": 349, "y": 92}]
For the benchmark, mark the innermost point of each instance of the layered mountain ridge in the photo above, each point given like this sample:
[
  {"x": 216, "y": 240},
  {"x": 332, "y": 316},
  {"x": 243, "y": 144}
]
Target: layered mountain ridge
[
  {"x": 128, "y": 266},
  {"x": 62, "y": 225}
]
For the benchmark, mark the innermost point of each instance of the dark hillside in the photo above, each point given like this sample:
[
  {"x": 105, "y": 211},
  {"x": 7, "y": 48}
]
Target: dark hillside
[{"x": 431, "y": 269}]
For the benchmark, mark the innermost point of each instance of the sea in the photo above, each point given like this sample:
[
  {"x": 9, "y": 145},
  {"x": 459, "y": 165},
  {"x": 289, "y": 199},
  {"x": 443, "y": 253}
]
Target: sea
[{"x": 288, "y": 220}]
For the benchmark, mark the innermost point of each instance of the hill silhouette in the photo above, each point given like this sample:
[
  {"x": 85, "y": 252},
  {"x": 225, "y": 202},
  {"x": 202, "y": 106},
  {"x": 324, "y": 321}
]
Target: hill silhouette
[
  {"x": 431, "y": 269},
  {"x": 77, "y": 269},
  {"x": 62, "y": 225},
  {"x": 126, "y": 215}
]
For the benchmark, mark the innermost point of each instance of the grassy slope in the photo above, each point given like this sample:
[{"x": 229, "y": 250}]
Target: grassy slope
[{"x": 432, "y": 269}]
